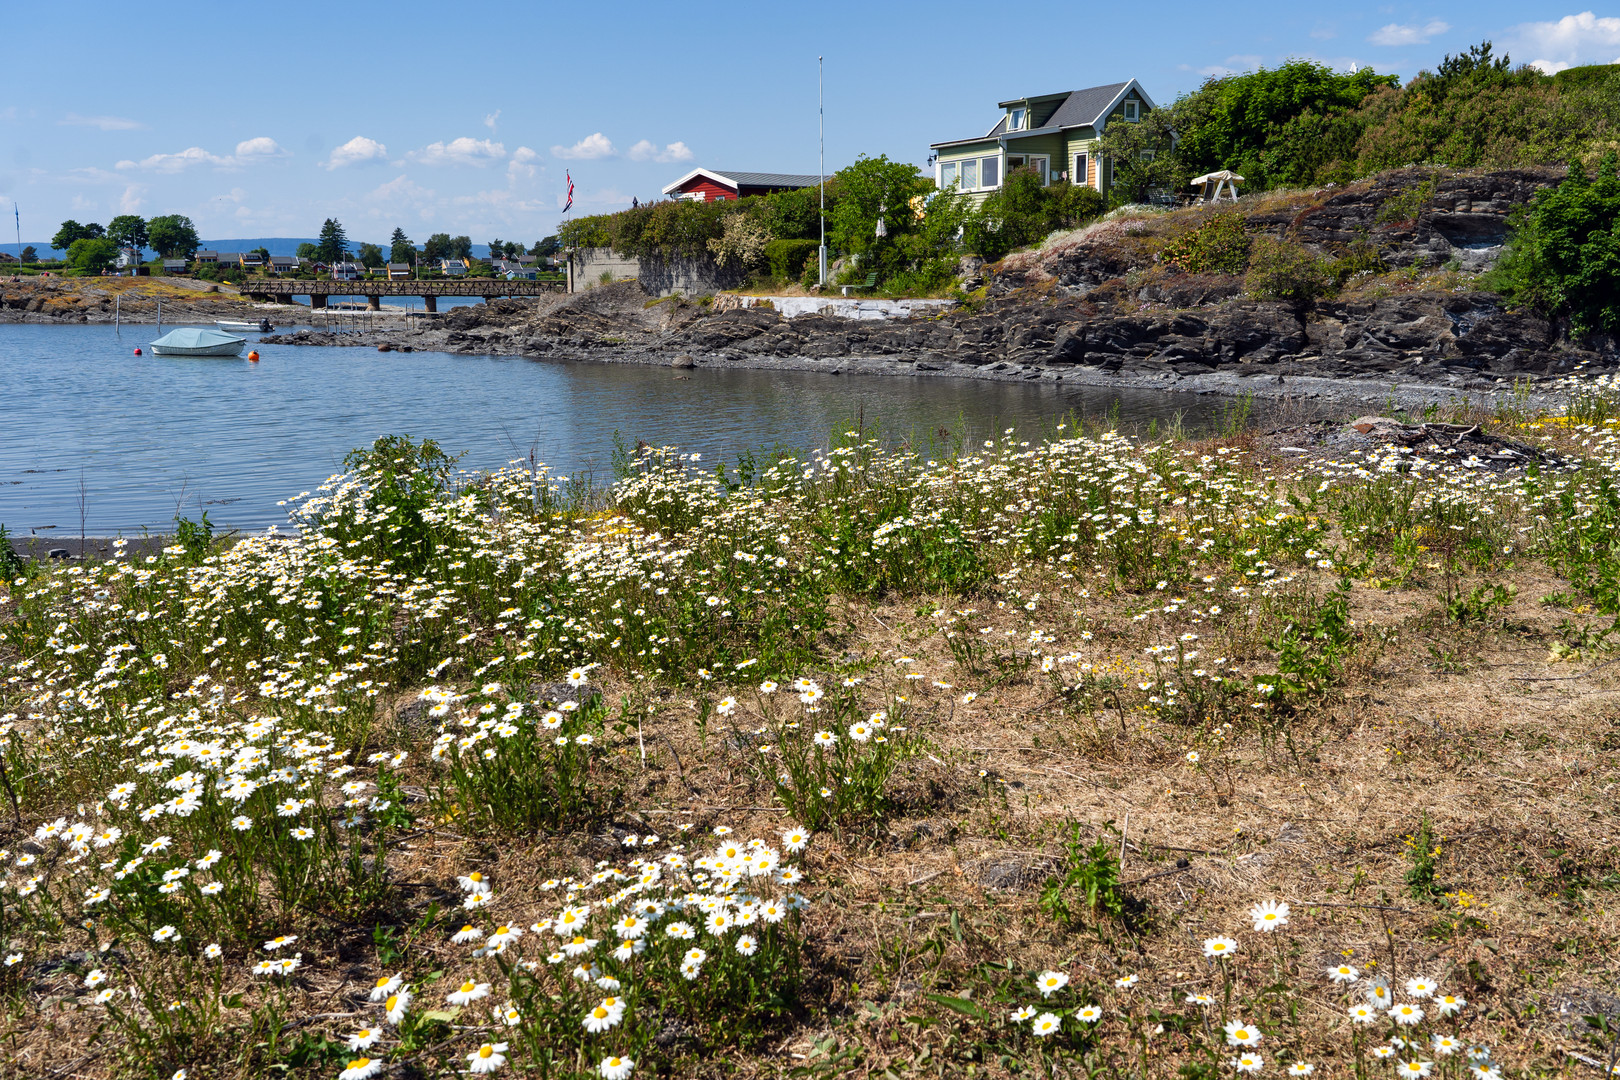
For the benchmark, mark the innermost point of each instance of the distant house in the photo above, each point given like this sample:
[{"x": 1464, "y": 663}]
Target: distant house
[
  {"x": 285, "y": 264},
  {"x": 252, "y": 260},
  {"x": 1054, "y": 134},
  {"x": 399, "y": 271},
  {"x": 227, "y": 258},
  {"x": 453, "y": 266},
  {"x": 527, "y": 260},
  {"x": 174, "y": 266},
  {"x": 348, "y": 271},
  {"x": 512, "y": 271},
  {"x": 708, "y": 185},
  {"x": 208, "y": 258},
  {"x": 128, "y": 259}
]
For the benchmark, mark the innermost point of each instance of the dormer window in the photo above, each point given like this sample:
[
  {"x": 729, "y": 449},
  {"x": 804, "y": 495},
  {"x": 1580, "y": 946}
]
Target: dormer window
[
  {"x": 1133, "y": 111},
  {"x": 1015, "y": 120}
]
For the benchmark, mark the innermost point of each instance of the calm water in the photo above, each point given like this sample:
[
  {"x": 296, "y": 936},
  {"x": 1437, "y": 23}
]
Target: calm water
[{"x": 147, "y": 435}]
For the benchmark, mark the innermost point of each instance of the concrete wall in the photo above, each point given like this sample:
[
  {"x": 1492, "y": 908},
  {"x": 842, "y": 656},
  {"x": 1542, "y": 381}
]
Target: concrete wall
[{"x": 659, "y": 277}]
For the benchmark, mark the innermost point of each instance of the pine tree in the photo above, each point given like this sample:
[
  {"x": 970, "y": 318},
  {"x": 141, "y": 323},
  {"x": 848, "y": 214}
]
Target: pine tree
[
  {"x": 334, "y": 243},
  {"x": 400, "y": 248}
]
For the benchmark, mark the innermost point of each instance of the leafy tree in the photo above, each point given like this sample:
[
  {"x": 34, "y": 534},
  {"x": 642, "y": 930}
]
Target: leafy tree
[
  {"x": 548, "y": 246},
  {"x": 173, "y": 236},
  {"x": 868, "y": 190},
  {"x": 71, "y": 230},
  {"x": 496, "y": 250},
  {"x": 400, "y": 248},
  {"x": 512, "y": 249},
  {"x": 1228, "y": 122},
  {"x": 1468, "y": 71},
  {"x": 128, "y": 230},
  {"x": 461, "y": 247},
  {"x": 264, "y": 255},
  {"x": 1143, "y": 157},
  {"x": 334, "y": 242},
  {"x": 437, "y": 247},
  {"x": 1023, "y": 211},
  {"x": 307, "y": 250},
  {"x": 92, "y": 254},
  {"x": 29, "y": 254},
  {"x": 371, "y": 256},
  {"x": 1564, "y": 254}
]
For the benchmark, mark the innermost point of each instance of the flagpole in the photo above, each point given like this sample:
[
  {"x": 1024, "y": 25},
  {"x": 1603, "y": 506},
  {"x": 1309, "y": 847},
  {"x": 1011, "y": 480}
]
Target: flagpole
[
  {"x": 17, "y": 214},
  {"x": 821, "y": 139}
]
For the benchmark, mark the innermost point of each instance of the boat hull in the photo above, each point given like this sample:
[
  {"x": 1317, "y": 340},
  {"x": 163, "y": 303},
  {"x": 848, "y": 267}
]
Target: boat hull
[{"x": 232, "y": 349}]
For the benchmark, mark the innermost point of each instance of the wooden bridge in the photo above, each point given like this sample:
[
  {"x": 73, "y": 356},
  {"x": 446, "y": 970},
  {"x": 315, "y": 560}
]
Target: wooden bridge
[{"x": 374, "y": 291}]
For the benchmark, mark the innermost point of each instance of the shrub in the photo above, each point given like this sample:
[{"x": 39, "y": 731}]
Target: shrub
[
  {"x": 787, "y": 258},
  {"x": 1218, "y": 246},
  {"x": 1564, "y": 254},
  {"x": 1283, "y": 270}
]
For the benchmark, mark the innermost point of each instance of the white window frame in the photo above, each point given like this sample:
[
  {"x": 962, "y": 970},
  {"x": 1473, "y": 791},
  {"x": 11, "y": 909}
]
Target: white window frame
[
  {"x": 997, "y": 162},
  {"x": 961, "y": 166},
  {"x": 1133, "y": 111},
  {"x": 1017, "y": 118},
  {"x": 941, "y": 181},
  {"x": 1030, "y": 159}
]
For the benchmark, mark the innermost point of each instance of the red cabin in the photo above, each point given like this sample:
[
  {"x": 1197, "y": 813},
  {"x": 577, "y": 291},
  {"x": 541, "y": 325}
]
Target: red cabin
[{"x": 707, "y": 185}]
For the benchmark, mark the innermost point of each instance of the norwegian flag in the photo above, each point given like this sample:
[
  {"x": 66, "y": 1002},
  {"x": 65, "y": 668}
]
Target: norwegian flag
[{"x": 570, "y": 191}]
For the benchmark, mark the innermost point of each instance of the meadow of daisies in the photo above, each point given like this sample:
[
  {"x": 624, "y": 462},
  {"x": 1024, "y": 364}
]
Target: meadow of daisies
[{"x": 1075, "y": 754}]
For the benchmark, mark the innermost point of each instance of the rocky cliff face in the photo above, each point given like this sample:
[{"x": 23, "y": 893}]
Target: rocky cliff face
[{"x": 1098, "y": 306}]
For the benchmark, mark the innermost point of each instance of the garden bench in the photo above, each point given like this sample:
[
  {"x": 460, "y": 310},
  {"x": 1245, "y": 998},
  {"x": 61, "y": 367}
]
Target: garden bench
[{"x": 870, "y": 283}]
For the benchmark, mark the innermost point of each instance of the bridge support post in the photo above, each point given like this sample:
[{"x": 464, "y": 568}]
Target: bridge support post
[
  {"x": 430, "y": 303},
  {"x": 373, "y": 303},
  {"x": 317, "y": 301}
]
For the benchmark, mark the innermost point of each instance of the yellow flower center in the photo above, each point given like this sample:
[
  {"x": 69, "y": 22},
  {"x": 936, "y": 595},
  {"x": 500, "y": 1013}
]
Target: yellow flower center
[
  {"x": 485, "y": 1050},
  {"x": 365, "y": 1032},
  {"x": 501, "y": 930},
  {"x": 608, "y": 1003},
  {"x": 383, "y": 981},
  {"x": 475, "y": 876},
  {"x": 1240, "y": 1034},
  {"x": 359, "y": 1063},
  {"x": 467, "y": 988},
  {"x": 614, "y": 1062},
  {"x": 579, "y": 941},
  {"x": 599, "y": 1012},
  {"x": 389, "y": 1004}
]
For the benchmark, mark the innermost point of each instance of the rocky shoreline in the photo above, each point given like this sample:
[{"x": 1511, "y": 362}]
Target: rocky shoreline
[{"x": 101, "y": 301}]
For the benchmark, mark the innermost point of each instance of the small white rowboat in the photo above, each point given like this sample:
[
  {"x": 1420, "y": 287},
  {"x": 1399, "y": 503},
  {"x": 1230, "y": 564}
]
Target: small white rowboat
[{"x": 189, "y": 342}]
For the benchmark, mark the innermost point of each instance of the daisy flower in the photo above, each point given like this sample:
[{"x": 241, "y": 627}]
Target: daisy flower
[
  {"x": 1218, "y": 947},
  {"x": 1199, "y": 999},
  {"x": 1269, "y": 915},
  {"x": 467, "y": 933},
  {"x": 1240, "y": 1034},
  {"x": 1406, "y": 1016},
  {"x": 1018, "y": 1016},
  {"x": 616, "y": 1068},
  {"x": 1088, "y": 1014},
  {"x": 1444, "y": 1045},
  {"x": 474, "y": 882},
  {"x": 360, "y": 1069},
  {"x": 600, "y": 1019},
  {"x": 1301, "y": 1068},
  {"x": 1047, "y": 1024},
  {"x": 1363, "y": 1014},
  {"x": 1125, "y": 982},
  {"x": 487, "y": 1058},
  {"x": 1050, "y": 982},
  {"x": 1419, "y": 987},
  {"x": 1344, "y": 973},
  {"x": 1383, "y": 1052},
  {"x": 467, "y": 993},
  {"x": 1448, "y": 1004},
  {"x": 364, "y": 1039},
  {"x": 1413, "y": 1070},
  {"x": 395, "y": 1008},
  {"x": 1248, "y": 1063},
  {"x": 386, "y": 985}
]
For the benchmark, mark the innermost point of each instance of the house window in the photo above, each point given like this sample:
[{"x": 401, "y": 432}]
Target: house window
[
  {"x": 990, "y": 171},
  {"x": 1040, "y": 163},
  {"x": 1082, "y": 169},
  {"x": 1132, "y": 111},
  {"x": 970, "y": 174},
  {"x": 947, "y": 173},
  {"x": 1016, "y": 120}
]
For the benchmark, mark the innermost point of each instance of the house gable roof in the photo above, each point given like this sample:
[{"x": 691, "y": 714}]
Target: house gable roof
[
  {"x": 1079, "y": 108},
  {"x": 737, "y": 180}
]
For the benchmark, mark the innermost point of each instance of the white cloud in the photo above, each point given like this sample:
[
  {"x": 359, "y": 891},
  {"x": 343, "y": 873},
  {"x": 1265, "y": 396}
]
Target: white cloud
[
  {"x": 261, "y": 147},
  {"x": 647, "y": 151},
  {"x": 357, "y": 151},
  {"x": 489, "y": 121},
  {"x": 522, "y": 164},
  {"x": 1409, "y": 34},
  {"x": 401, "y": 192},
  {"x": 462, "y": 151},
  {"x": 132, "y": 198},
  {"x": 105, "y": 123},
  {"x": 1233, "y": 65},
  {"x": 1569, "y": 42},
  {"x": 590, "y": 148},
  {"x": 185, "y": 159}
]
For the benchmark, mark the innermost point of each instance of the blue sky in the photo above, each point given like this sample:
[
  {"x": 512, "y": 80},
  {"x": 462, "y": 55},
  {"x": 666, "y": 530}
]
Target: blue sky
[{"x": 462, "y": 118}]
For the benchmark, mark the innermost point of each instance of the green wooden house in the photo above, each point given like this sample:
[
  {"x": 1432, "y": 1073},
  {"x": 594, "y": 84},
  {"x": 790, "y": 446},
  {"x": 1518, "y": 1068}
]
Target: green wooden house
[{"x": 1055, "y": 134}]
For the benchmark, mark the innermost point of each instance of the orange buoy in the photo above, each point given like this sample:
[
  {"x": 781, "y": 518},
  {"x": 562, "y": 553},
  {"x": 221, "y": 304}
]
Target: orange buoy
[
  {"x": 137, "y": 352},
  {"x": 253, "y": 356}
]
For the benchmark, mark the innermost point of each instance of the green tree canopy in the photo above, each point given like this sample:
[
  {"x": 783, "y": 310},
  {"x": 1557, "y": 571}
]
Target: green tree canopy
[
  {"x": 548, "y": 246},
  {"x": 29, "y": 254},
  {"x": 371, "y": 256},
  {"x": 173, "y": 236},
  {"x": 461, "y": 247},
  {"x": 128, "y": 230},
  {"x": 92, "y": 254},
  {"x": 400, "y": 248},
  {"x": 71, "y": 230},
  {"x": 496, "y": 250},
  {"x": 870, "y": 189},
  {"x": 334, "y": 242},
  {"x": 512, "y": 249},
  {"x": 436, "y": 248},
  {"x": 307, "y": 250},
  {"x": 1564, "y": 254}
]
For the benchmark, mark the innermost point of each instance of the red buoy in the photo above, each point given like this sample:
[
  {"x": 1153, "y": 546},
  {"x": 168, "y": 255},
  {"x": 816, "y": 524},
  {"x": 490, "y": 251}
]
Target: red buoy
[
  {"x": 253, "y": 356},
  {"x": 137, "y": 352}
]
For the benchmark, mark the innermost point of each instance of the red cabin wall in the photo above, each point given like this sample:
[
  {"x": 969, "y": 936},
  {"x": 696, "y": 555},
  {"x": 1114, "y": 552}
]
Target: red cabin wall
[{"x": 711, "y": 190}]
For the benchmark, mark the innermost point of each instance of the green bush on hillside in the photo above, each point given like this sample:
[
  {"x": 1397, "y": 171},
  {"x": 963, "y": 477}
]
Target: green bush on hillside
[
  {"x": 1564, "y": 253},
  {"x": 1283, "y": 270},
  {"x": 787, "y": 258},
  {"x": 1218, "y": 246}
]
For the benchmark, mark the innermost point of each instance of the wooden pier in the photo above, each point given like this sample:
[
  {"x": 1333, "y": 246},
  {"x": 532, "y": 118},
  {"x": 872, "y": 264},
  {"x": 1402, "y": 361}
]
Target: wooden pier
[{"x": 374, "y": 291}]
